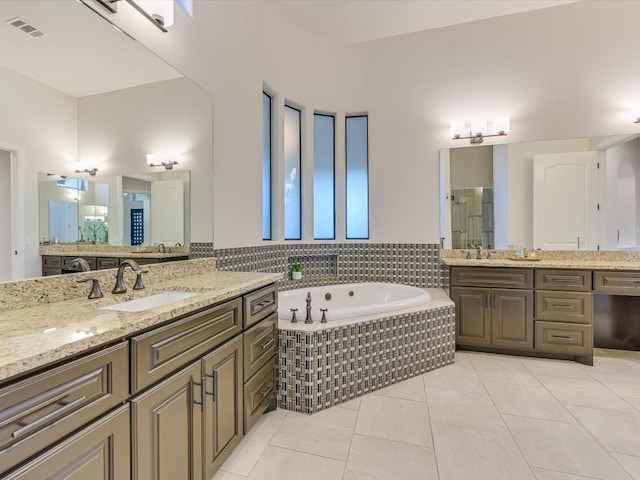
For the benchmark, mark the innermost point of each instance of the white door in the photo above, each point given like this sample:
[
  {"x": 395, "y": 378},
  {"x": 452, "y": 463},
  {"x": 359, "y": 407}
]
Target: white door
[
  {"x": 167, "y": 212},
  {"x": 63, "y": 221},
  {"x": 5, "y": 216},
  {"x": 565, "y": 201}
]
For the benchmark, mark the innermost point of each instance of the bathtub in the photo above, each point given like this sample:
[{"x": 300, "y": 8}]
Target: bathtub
[{"x": 351, "y": 300}]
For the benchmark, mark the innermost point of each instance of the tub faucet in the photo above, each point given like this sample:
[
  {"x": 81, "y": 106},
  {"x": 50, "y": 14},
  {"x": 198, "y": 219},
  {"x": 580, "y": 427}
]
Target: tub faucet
[
  {"x": 308, "y": 319},
  {"x": 120, "y": 286}
]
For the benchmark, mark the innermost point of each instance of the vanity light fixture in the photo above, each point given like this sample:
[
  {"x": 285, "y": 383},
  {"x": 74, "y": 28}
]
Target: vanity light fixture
[
  {"x": 478, "y": 129},
  {"x": 158, "y": 12},
  {"x": 166, "y": 160},
  {"x": 635, "y": 112},
  {"x": 82, "y": 168}
]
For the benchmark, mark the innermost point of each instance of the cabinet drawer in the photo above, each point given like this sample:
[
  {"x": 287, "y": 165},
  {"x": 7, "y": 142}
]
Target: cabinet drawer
[
  {"x": 164, "y": 350},
  {"x": 259, "y": 392},
  {"x": 90, "y": 260},
  {"x": 51, "y": 262},
  {"x": 99, "y": 451},
  {"x": 568, "y": 338},
  {"x": 260, "y": 344},
  {"x": 492, "y": 277},
  {"x": 42, "y": 409},
  {"x": 259, "y": 304},
  {"x": 567, "y": 280},
  {"x": 106, "y": 262},
  {"x": 564, "y": 307},
  {"x": 622, "y": 283}
]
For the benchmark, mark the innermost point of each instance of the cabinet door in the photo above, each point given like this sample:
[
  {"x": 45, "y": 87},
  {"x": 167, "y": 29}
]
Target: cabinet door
[
  {"x": 512, "y": 319},
  {"x": 223, "y": 411},
  {"x": 100, "y": 451},
  {"x": 473, "y": 315},
  {"x": 167, "y": 432}
]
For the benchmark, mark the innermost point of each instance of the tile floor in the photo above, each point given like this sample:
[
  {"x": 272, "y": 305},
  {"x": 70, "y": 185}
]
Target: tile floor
[{"x": 487, "y": 417}]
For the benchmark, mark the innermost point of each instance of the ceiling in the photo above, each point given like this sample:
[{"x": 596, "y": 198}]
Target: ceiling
[
  {"x": 351, "y": 21},
  {"x": 81, "y": 53}
]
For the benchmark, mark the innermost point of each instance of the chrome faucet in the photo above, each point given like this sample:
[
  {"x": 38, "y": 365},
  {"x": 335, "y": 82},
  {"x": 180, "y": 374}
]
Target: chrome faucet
[
  {"x": 478, "y": 250},
  {"x": 120, "y": 286},
  {"x": 81, "y": 262},
  {"x": 161, "y": 248},
  {"x": 308, "y": 319}
]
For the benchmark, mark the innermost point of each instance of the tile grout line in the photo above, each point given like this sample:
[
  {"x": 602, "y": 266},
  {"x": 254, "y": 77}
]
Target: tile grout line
[
  {"x": 433, "y": 438},
  {"x": 344, "y": 471}
]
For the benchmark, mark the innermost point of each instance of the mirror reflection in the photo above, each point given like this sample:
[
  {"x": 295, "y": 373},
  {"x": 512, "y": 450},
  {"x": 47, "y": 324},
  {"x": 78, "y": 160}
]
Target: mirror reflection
[
  {"x": 569, "y": 194},
  {"x": 134, "y": 209}
]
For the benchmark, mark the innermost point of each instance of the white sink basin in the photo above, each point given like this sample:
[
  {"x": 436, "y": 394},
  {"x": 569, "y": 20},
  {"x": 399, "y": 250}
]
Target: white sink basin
[{"x": 152, "y": 301}]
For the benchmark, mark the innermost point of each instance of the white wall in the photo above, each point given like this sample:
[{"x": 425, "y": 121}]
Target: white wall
[
  {"x": 42, "y": 122},
  {"x": 561, "y": 72},
  {"x": 5, "y": 216}
]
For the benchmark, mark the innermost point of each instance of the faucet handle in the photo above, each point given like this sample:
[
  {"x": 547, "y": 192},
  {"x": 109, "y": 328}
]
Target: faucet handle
[
  {"x": 96, "y": 291},
  {"x": 139, "y": 285},
  {"x": 324, "y": 315},
  {"x": 293, "y": 316}
]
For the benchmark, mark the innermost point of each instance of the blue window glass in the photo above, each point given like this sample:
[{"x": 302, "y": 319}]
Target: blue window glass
[
  {"x": 266, "y": 167},
  {"x": 292, "y": 174},
  {"x": 357, "y": 181},
  {"x": 324, "y": 204}
]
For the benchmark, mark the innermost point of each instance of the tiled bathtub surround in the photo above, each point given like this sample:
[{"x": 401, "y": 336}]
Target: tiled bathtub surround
[
  {"x": 330, "y": 263},
  {"x": 323, "y": 368}
]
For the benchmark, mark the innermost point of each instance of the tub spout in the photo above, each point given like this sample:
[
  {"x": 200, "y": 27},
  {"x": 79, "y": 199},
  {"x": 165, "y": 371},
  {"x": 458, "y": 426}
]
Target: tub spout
[
  {"x": 324, "y": 315},
  {"x": 308, "y": 319},
  {"x": 293, "y": 315}
]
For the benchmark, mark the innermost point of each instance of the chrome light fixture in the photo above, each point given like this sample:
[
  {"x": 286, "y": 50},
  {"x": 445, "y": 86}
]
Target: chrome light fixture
[
  {"x": 478, "y": 129},
  {"x": 635, "y": 112},
  {"x": 166, "y": 160},
  {"x": 80, "y": 167},
  {"x": 158, "y": 12}
]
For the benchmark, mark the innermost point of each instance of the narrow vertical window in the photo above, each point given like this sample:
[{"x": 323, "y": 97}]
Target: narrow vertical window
[
  {"x": 292, "y": 161},
  {"x": 324, "y": 193},
  {"x": 266, "y": 166},
  {"x": 357, "y": 181}
]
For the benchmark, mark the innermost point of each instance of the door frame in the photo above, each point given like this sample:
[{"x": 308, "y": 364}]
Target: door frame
[{"x": 17, "y": 169}]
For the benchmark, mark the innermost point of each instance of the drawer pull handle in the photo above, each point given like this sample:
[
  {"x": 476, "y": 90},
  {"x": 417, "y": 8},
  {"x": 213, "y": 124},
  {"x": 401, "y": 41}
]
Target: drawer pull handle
[
  {"x": 268, "y": 343},
  {"x": 214, "y": 378},
  {"x": 267, "y": 390},
  {"x": 561, "y": 337},
  {"x": 561, "y": 305},
  {"x": 486, "y": 300},
  {"x": 562, "y": 279},
  {"x": 202, "y": 393},
  {"x": 31, "y": 426},
  {"x": 265, "y": 303}
]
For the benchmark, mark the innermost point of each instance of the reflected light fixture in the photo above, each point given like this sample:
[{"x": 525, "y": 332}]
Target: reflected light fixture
[
  {"x": 166, "y": 160},
  {"x": 635, "y": 112},
  {"x": 478, "y": 129},
  {"x": 80, "y": 167},
  {"x": 158, "y": 12}
]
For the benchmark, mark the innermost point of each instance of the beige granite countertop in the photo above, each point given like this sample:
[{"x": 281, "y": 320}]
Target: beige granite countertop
[
  {"x": 111, "y": 251},
  {"x": 34, "y": 336},
  {"x": 576, "y": 260}
]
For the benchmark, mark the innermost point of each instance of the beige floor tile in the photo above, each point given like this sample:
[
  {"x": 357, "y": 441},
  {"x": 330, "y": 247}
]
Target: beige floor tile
[
  {"x": 534, "y": 402},
  {"x": 283, "y": 464},
  {"x": 508, "y": 372},
  {"x": 327, "y": 433},
  {"x": 542, "y": 474},
  {"x": 633, "y": 401},
  {"x": 618, "y": 431},
  {"x": 555, "y": 368},
  {"x": 462, "y": 360},
  {"x": 584, "y": 393},
  {"x": 410, "y": 389},
  {"x": 615, "y": 361},
  {"x": 453, "y": 377},
  {"x": 625, "y": 384},
  {"x": 351, "y": 404},
  {"x": 378, "y": 459},
  {"x": 631, "y": 464},
  {"x": 221, "y": 475},
  {"x": 246, "y": 454},
  {"x": 394, "y": 419},
  {"x": 465, "y": 454},
  {"x": 466, "y": 410},
  {"x": 563, "y": 447}
]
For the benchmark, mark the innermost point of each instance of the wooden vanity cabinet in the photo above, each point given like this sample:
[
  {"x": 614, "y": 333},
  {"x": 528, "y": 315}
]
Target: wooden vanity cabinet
[{"x": 493, "y": 317}]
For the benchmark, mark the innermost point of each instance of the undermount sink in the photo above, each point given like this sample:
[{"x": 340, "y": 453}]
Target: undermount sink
[{"x": 152, "y": 301}]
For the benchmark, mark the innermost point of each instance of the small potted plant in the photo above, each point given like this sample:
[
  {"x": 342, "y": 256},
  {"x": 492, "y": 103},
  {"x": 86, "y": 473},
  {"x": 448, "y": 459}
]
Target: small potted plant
[{"x": 296, "y": 271}]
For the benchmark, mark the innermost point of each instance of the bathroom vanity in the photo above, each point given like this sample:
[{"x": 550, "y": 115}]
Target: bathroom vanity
[
  {"x": 550, "y": 307},
  {"x": 88, "y": 393}
]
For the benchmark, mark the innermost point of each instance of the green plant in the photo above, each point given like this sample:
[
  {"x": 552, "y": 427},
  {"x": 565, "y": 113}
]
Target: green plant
[{"x": 296, "y": 267}]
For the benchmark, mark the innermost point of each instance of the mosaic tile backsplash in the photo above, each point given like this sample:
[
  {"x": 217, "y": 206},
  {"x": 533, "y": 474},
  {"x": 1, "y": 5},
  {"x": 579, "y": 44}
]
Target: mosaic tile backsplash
[
  {"x": 331, "y": 263},
  {"x": 324, "y": 368}
]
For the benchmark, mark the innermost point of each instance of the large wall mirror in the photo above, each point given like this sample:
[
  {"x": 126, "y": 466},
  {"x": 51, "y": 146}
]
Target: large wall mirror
[
  {"x": 91, "y": 93},
  {"x": 581, "y": 193}
]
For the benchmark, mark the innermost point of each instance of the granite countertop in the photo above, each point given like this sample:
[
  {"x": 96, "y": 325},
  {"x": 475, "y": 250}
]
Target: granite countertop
[
  {"x": 573, "y": 264},
  {"x": 34, "y": 336}
]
